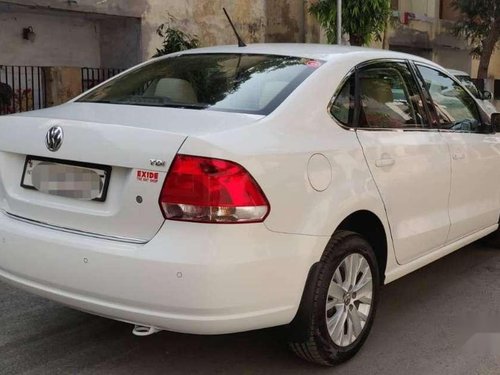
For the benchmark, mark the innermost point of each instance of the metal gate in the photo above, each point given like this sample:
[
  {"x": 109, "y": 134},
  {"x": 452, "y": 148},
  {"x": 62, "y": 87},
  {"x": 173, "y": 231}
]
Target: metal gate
[
  {"x": 22, "y": 88},
  {"x": 93, "y": 76}
]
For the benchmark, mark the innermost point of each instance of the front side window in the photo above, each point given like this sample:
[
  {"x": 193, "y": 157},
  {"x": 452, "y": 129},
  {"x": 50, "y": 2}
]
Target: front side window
[
  {"x": 249, "y": 83},
  {"x": 467, "y": 82},
  {"x": 456, "y": 109}
]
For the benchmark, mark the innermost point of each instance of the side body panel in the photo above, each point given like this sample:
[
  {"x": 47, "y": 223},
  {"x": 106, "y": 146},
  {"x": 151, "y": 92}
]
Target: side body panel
[
  {"x": 474, "y": 150},
  {"x": 475, "y": 193},
  {"x": 415, "y": 188}
]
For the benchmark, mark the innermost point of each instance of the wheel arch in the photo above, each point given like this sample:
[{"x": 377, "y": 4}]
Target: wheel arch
[{"x": 368, "y": 225}]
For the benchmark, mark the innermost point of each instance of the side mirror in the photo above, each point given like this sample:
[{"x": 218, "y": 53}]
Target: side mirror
[
  {"x": 487, "y": 95},
  {"x": 495, "y": 121}
]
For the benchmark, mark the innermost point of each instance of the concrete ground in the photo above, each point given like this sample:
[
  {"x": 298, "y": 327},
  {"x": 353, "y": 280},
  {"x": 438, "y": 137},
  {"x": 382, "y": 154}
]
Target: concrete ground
[{"x": 442, "y": 319}]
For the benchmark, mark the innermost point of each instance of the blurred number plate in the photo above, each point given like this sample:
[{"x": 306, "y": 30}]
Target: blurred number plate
[{"x": 66, "y": 179}]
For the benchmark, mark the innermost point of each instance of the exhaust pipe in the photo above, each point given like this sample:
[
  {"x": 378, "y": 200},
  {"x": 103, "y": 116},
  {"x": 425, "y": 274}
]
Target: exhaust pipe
[{"x": 144, "y": 330}]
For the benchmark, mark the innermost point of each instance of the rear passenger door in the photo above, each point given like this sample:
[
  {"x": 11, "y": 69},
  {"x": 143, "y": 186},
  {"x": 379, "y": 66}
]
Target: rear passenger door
[
  {"x": 407, "y": 157},
  {"x": 475, "y": 154}
]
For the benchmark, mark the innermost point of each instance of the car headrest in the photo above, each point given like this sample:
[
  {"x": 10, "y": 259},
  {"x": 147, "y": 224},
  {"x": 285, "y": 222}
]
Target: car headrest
[
  {"x": 176, "y": 89},
  {"x": 377, "y": 89}
]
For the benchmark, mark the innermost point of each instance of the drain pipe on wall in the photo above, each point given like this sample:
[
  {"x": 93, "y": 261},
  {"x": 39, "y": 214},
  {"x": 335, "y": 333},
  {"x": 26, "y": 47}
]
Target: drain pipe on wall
[{"x": 339, "y": 21}]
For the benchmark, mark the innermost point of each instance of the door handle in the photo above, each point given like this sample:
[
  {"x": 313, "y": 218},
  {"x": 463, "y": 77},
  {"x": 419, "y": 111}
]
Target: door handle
[
  {"x": 385, "y": 162},
  {"x": 458, "y": 156}
]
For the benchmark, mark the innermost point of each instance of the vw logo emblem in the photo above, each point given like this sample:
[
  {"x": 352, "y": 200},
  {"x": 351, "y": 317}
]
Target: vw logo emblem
[{"x": 54, "y": 138}]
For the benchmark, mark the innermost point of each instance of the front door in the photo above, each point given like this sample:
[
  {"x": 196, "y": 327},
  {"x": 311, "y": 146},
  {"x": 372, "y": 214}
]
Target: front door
[{"x": 475, "y": 155}]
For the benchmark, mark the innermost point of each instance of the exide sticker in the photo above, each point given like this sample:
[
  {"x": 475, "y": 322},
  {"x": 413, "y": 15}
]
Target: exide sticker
[{"x": 147, "y": 176}]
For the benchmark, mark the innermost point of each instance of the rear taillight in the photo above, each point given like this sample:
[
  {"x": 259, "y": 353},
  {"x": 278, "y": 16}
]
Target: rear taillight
[{"x": 211, "y": 190}]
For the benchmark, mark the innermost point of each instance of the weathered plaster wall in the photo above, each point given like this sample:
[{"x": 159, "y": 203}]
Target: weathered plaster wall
[
  {"x": 431, "y": 39},
  {"x": 129, "y": 8},
  {"x": 257, "y": 21},
  {"x": 494, "y": 68},
  {"x": 285, "y": 21},
  {"x": 206, "y": 20},
  {"x": 120, "y": 41},
  {"x": 62, "y": 84},
  {"x": 430, "y": 32},
  {"x": 59, "y": 41},
  {"x": 448, "y": 11},
  {"x": 450, "y": 58},
  {"x": 427, "y": 8}
]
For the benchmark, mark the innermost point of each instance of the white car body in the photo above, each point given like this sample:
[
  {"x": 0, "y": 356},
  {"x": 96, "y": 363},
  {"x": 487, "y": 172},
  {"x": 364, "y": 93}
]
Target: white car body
[
  {"x": 465, "y": 79},
  {"x": 121, "y": 259}
]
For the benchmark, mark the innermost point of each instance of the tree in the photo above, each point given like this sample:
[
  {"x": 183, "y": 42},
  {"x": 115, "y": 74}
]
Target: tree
[
  {"x": 361, "y": 19},
  {"x": 479, "y": 23},
  {"x": 174, "y": 40}
]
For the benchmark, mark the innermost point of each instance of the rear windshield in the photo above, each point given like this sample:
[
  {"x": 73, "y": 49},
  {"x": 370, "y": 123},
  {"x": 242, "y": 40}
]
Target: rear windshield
[{"x": 254, "y": 84}]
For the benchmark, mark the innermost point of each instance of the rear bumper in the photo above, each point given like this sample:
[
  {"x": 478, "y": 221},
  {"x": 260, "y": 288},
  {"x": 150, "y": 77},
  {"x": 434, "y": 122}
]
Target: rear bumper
[{"x": 192, "y": 278}]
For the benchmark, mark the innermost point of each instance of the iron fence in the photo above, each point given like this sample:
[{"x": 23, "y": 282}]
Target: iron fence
[
  {"x": 93, "y": 76},
  {"x": 22, "y": 88}
]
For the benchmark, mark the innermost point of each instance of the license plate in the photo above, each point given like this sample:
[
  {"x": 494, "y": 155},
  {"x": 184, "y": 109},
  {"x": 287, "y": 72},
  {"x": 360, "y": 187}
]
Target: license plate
[{"x": 68, "y": 179}]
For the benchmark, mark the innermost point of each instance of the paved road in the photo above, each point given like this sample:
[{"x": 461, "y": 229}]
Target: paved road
[{"x": 443, "y": 319}]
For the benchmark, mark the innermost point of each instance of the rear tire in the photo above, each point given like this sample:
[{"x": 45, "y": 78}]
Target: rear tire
[{"x": 339, "y": 302}]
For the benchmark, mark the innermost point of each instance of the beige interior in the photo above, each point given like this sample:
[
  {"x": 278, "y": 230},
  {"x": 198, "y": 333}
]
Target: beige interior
[
  {"x": 377, "y": 89},
  {"x": 178, "y": 90}
]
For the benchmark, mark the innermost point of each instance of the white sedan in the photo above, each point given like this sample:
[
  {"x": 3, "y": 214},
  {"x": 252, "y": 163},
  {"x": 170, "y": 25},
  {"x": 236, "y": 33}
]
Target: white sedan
[{"x": 230, "y": 188}]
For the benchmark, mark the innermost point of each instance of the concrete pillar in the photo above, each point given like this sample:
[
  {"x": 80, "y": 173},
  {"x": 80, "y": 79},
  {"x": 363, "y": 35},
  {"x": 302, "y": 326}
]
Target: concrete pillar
[
  {"x": 313, "y": 32},
  {"x": 489, "y": 85},
  {"x": 62, "y": 84}
]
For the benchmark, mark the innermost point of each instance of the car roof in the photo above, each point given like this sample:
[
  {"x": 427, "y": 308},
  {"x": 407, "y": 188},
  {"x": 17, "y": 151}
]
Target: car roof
[
  {"x": 458, "y": 72},
  {"x": 328, "y": 52}
]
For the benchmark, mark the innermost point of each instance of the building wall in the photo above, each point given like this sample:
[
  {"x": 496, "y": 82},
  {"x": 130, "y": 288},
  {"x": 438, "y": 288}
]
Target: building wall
[
  {"x": 206, "y": 20},
  {"x": 126, "y": 8},
  {"x": 494, "y": 68},
  {"x": 257, "y": 21},
  {"x": 428, "y": 8},
  {"x": 285, "y": 21},
  {"x": 428, "y": 33},
  {"x": 68, "y": 38},
  {"x": 447, "y": 11},
  {"x": 119, "y": 42},
  {"x": 72, "y": 41}
]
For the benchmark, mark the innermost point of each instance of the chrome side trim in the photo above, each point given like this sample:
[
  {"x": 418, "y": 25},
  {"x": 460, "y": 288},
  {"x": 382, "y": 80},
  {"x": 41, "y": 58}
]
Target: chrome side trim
[{"x": 74, "y": 231}]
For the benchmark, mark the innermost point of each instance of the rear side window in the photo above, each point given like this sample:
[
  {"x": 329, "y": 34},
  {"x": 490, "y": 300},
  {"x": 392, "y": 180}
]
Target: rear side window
[
  {"x": 343, "y": 106},
  {"x": 389, "y": 98},
  {"x": 380, "y": 96},
  {"x": 249, "y": 83}
]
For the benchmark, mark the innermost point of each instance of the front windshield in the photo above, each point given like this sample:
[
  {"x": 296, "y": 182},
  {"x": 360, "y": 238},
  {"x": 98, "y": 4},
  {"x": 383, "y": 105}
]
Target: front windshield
[
  {"x": 226, "y": 82},
  {"x": 467, "y": 82}
]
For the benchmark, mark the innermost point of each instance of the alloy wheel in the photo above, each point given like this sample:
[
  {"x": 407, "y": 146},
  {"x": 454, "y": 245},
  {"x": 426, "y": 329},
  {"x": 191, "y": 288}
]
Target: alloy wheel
[{"x": 349, "y": 299}]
